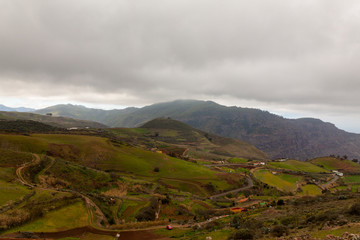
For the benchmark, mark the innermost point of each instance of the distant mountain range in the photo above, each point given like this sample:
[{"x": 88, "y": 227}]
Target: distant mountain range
[
  {"x": 278, "y": 137},
  {"x": 19, "y": 109}
]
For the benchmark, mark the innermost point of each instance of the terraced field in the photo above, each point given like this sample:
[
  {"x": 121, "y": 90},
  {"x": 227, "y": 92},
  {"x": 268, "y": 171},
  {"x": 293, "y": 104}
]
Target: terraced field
[
  {"x": 283, "y": 182},
  {"x": 352, "y": 179},
  {"x": 337, "y": 164}
]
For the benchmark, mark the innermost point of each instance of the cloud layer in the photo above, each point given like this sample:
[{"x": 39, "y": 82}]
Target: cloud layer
[{"x": 291, "y": 55}]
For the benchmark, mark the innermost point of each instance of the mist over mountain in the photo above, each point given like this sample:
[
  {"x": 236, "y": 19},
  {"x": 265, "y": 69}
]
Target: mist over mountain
[{"x": 277, "y": 136}]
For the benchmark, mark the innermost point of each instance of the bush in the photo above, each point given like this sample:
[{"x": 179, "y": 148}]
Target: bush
[
  {"x": 242, "y": 234},
  {"x": 147, "y": 213},
  {"x": 355, "y": 209},
  {"x": 280, "y": 230}
]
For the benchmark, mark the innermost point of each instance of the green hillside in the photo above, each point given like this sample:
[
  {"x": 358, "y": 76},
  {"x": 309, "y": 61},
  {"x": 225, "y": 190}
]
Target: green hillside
[{"x": 332, "y": 163}]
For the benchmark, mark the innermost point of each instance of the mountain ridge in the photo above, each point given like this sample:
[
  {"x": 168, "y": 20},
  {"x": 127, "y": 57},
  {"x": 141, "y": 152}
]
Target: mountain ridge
[
  {"x": 18, "y": 109},
  {"x": 275, "y": 135}
]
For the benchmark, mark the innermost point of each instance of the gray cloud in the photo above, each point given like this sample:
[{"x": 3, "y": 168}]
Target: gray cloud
[{"x": 275, "y": 53}]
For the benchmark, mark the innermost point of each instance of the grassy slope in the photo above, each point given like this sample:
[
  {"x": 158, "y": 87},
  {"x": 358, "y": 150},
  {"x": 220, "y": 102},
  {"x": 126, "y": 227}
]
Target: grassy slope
[
  {"x": 13, "y": 158},
  {"x": 100, "y": 153},
  {"x": 11, "y": 192},
  {"x": 284, "y": 182},
  {"x": 72, "y": 216},
  {"x": 295, "y": 165},
  {"x": 337, "y": 164}
]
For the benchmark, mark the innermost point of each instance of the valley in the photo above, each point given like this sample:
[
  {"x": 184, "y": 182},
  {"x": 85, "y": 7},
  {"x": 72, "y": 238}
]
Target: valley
[{"x": 92, "y": 183}]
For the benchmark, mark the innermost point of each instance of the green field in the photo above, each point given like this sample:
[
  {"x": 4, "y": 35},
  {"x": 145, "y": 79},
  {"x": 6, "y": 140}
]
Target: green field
[
  {"x": 283, "y": 182},
  {"x": 72, "y": 216},
  {"x": 238, "y": 160},
  {"x": 295, "y": 165}
]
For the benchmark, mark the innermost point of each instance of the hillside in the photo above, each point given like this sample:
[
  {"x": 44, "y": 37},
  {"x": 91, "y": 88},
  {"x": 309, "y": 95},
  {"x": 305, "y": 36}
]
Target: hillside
[
  {"x": 278, "y": 137},
  {"x": 179, "y": 139},
  {"x": 61, "y": 122},
  {"x": 26, "y": 126}
]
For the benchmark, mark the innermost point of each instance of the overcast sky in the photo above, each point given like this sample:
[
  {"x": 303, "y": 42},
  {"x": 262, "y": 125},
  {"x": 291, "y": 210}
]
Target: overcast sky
[{"x": 294, "y": 58}]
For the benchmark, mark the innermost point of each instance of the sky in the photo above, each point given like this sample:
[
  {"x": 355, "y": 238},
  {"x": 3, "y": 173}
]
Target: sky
[{"x": 293, "y": 58}]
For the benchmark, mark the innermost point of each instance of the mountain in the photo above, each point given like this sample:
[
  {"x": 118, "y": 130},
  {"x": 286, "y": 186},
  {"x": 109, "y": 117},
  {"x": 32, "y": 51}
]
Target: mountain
[
  {"x": 19, "y": 109},
  {"x": 61, "y": 122},
  {"x": 278, "y": 137}
]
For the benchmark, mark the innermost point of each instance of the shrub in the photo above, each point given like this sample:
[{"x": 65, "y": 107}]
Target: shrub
[
  {"x": 355, "y": 209},
  {"x": 243, "y": 233},
  {"x": 280, "y": 202},
  {"x": 280, "y": 230}
]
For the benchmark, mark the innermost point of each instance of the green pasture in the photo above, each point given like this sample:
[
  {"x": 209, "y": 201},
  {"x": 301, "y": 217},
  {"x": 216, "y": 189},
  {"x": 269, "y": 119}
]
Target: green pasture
[{"x": 283, "y": 182}]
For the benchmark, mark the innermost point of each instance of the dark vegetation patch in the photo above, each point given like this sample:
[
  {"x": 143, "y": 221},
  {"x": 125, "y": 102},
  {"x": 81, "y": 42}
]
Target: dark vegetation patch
[
  {"x": 66, "y": 174},
  {"x": 26, "y": 126}
]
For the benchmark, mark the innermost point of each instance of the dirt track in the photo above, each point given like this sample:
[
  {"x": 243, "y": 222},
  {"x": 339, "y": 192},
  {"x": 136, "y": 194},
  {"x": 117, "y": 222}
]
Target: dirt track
[{"x": 126, "y": 235}]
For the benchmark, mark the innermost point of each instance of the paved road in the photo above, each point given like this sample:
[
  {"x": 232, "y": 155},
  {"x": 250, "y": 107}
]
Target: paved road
[
  {"x": 330, "y": 183},
  {"x": 250, "y": 185}
]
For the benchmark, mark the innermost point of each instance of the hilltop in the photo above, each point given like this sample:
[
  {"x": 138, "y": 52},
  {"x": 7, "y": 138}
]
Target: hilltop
[
  {"x": 198, "y": 143},
  {"x": 278, "y": 137}
]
